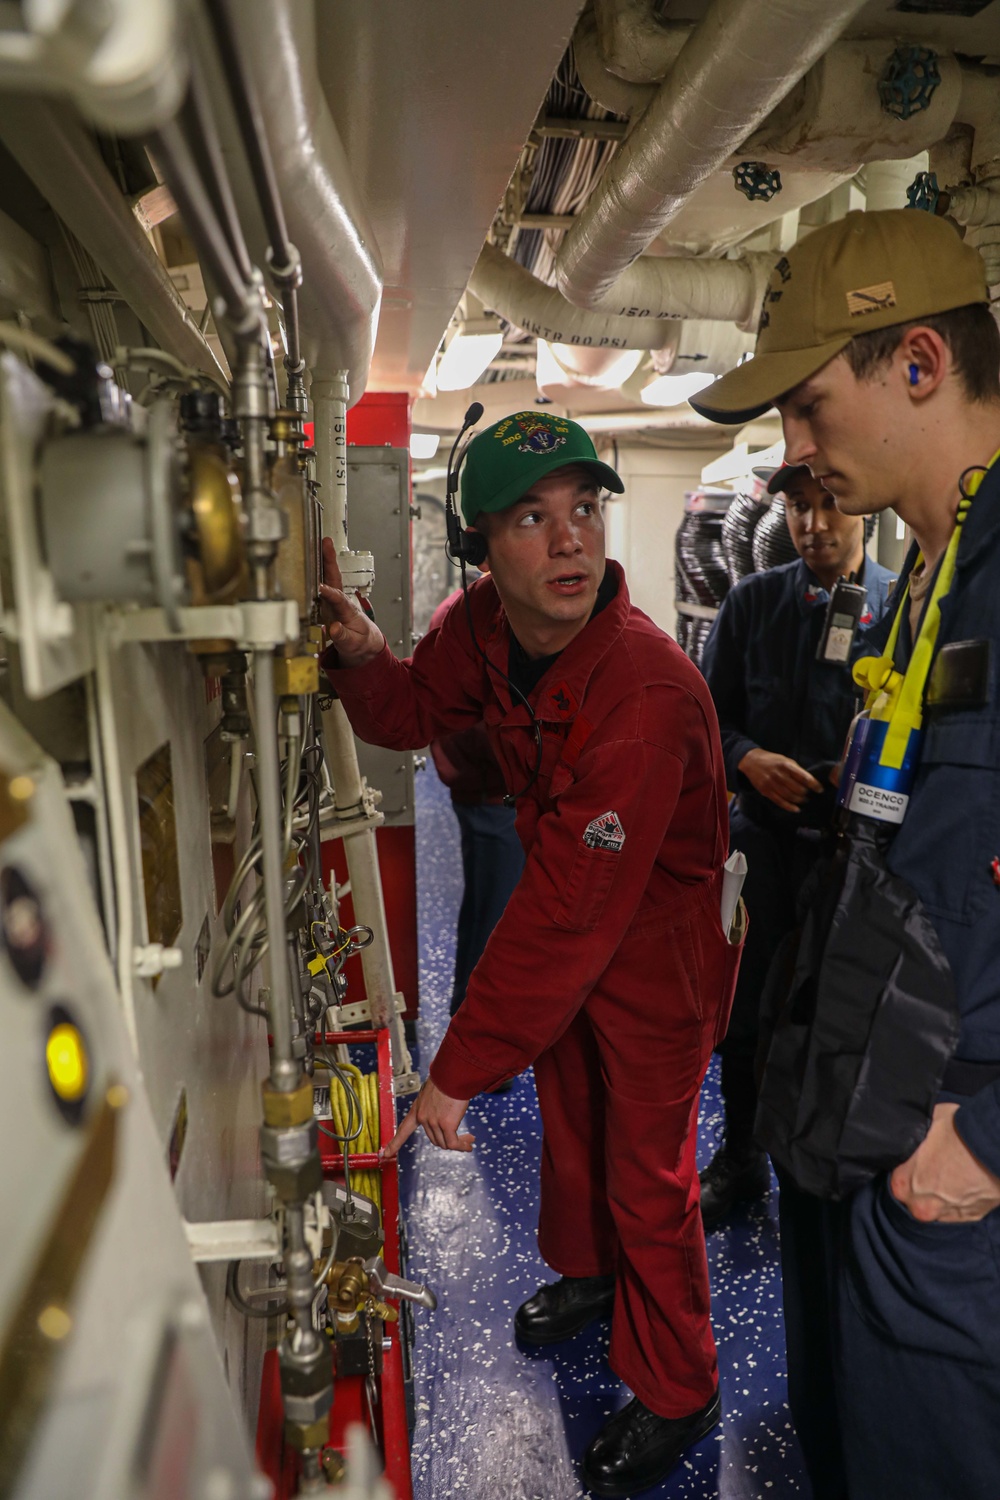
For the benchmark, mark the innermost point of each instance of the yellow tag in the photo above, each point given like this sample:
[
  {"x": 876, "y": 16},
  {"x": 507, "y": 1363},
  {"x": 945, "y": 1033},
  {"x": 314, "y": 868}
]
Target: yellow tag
[{"x": 316, "y": 965}]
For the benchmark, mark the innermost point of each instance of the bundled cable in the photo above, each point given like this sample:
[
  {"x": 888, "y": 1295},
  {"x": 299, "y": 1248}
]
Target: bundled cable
[
  {"x": 354, "y": 1125},
  {"x": 738, "y": 528},
  {"x": 772, "y": 544}
]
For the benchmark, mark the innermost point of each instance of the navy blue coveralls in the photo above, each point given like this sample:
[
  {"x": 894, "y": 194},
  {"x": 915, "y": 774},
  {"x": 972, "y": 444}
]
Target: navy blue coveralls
[
  {"x": 915, "y": 1308},
  {"x": 771, "y": 692}
]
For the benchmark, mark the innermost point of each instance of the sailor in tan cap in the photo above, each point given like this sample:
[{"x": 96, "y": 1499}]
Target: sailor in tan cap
[{"x": 880, "y": 1101}]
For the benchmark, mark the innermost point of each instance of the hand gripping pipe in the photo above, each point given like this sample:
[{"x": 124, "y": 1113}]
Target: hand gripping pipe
[{"x": 738, "y": 64}]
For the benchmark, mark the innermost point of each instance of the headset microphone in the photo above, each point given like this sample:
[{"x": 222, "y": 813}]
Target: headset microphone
[
  {"x": 463, "y": 546},
  {"x": 468, "y": 548}
]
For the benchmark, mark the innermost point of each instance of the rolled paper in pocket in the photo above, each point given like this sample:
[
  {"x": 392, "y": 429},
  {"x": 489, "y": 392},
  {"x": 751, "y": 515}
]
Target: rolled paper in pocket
[{"x": 734, "y": 872}]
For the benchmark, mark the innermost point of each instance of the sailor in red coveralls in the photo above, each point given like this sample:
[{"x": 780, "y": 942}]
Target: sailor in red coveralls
[{"x": 609, "y": 970}]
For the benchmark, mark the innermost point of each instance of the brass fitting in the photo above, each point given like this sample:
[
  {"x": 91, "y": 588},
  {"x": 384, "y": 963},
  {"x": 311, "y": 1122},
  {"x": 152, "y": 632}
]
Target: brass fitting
[
  {"x": 312, "y": 1435},
  {"x": 334, "y": 1466},
  {"x": 348, "y": 1285},
  {"x": 295, "y": 676},
  {"x": 282, "y": 1110}
]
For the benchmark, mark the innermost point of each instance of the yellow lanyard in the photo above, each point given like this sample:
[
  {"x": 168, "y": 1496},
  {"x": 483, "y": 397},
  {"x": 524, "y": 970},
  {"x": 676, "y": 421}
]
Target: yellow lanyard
[{"x": 891, "y": 694}]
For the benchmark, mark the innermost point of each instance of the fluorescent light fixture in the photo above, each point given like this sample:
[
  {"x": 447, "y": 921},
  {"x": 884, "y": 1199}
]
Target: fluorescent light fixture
[
  {"x": 671, "y": 390},
  {"x": 424, "y": 444},
  {"x": 466, "y": 358}
]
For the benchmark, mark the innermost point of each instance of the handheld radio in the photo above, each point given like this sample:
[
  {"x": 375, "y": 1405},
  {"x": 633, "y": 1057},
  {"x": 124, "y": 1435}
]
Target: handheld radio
[{"x": 843, "y": 616}]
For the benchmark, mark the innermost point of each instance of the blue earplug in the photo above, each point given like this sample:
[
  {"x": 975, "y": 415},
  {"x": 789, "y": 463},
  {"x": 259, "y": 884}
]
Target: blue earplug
[{"x": 914, "y": 374}]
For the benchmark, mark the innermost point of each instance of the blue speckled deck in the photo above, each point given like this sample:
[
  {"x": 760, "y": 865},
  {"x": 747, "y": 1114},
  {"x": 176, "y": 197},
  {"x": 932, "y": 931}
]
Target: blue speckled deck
[{"x": 494, "y": 1422}]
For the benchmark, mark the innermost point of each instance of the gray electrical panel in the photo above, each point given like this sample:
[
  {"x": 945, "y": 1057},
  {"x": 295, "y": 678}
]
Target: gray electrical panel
[{"x": 378, "y": 483}]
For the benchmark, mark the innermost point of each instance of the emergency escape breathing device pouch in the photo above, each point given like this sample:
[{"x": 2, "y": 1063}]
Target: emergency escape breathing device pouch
[{"x": 860, "y": 1019}]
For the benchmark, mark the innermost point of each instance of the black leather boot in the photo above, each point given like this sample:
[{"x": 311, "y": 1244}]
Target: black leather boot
[
  {"x": 735, "y": 1175},
  {"x": 558, "y": 1311},
  {"x": 637, "y": 1449}
]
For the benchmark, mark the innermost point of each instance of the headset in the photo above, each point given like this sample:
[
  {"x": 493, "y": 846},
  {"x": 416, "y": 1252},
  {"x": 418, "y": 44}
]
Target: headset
[{"x": 468, "y": 548}]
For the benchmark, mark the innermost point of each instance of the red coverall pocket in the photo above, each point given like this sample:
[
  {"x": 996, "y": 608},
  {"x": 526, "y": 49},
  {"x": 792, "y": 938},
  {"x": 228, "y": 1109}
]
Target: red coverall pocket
[{"x": 587, "y": 889}]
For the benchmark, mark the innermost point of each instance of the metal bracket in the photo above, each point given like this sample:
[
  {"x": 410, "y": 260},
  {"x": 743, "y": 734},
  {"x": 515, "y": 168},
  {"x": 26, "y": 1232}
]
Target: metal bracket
[
  {"x": 233, "y": 1239},
  {"x": 252, "y": 624}
]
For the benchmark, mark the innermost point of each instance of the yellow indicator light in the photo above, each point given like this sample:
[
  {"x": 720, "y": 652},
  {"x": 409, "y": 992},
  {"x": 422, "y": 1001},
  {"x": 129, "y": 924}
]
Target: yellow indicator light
[
  {"x": 54, "y": 1322},
  {"x": 66, "y": 1057}
]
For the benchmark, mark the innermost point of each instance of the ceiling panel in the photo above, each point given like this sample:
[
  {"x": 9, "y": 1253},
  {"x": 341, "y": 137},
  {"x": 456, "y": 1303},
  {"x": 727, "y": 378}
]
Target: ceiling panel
[{"x": 433, "y": 102}]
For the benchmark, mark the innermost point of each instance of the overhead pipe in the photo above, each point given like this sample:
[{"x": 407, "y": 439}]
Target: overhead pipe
[
  {"x": 635, "y": 44},
  {"x": 325, "y": 216},
  {"x": 662, "y": 288},
  {"x": 599, "y": 83},
  {"x": 739, "y": 63},
  {"x": 53, "y": 148}
]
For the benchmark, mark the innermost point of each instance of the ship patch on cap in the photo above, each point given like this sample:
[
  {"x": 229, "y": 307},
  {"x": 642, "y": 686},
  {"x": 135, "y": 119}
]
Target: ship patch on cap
[
  {"x": 605, "y": 832},
  {"x": 868, "y": 299}
]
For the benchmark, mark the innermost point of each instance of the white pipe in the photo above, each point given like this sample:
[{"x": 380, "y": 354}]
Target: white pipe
[
  {"x": 603, "y": 86},
  {"x": 886, "y": 181},
  {"x": 634, "y": 44},
  {"x": 329, "y": 399},
  {"x": 740, "y": 62},
  {"x": 326, "y": 217},
  {"x": 655, "y": 289}
]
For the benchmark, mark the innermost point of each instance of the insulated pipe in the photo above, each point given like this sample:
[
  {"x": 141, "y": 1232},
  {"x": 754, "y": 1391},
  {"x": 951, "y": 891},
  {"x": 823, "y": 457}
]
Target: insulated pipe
[
  {"x": 61, "y": 159},
  {"x": 326, "y": 218},
  {"x": 330, "y": 398},
  {"x": 655, "y": 289},
  {"x": 886, "y": 181},
  {"x": 604, "y": 87},
  {"x": 634, "y": 44},
  {"x": 739, "y": 63}
]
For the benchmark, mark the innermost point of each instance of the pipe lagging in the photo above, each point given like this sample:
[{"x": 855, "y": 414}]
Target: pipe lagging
[
  {"x": 739, "y": 63},
  {"x": 325, "y": 214},
  {"x": 636, "y": 313},
  {"x": 284, "y": 1070}
]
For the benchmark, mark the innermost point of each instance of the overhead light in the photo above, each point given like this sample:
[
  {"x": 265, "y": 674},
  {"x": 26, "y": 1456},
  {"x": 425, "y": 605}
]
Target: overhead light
[
  {"x": 671, "y": 390},
  {"x": 424, "y": 444},
  {"x": 466, "y": 358}
]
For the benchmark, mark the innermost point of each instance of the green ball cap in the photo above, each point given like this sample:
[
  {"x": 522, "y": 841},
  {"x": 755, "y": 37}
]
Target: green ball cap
[{"x": 505, "y": 460}]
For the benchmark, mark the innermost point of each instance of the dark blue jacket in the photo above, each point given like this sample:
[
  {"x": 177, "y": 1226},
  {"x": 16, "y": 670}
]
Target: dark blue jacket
[
  {"x": 769, "y": 690},
  {"x": 951, "y": 833}
]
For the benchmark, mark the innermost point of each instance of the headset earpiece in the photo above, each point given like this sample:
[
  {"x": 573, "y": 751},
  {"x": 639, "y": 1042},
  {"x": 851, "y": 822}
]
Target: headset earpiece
[{"x": 474, "y": 548}]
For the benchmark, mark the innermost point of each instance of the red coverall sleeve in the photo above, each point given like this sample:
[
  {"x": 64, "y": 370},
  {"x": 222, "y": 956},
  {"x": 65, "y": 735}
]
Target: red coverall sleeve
[
  {"x": 573, "y": 903},
  {"x": 405, "y": 704}
]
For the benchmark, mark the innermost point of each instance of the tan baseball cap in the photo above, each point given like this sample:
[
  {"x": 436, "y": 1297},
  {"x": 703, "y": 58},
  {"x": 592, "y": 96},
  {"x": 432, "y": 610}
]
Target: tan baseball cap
[{"x": 867, "y": 270}]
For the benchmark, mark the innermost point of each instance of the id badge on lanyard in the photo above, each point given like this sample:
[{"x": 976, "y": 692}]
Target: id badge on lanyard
[{"x": 883, "y": 749}]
